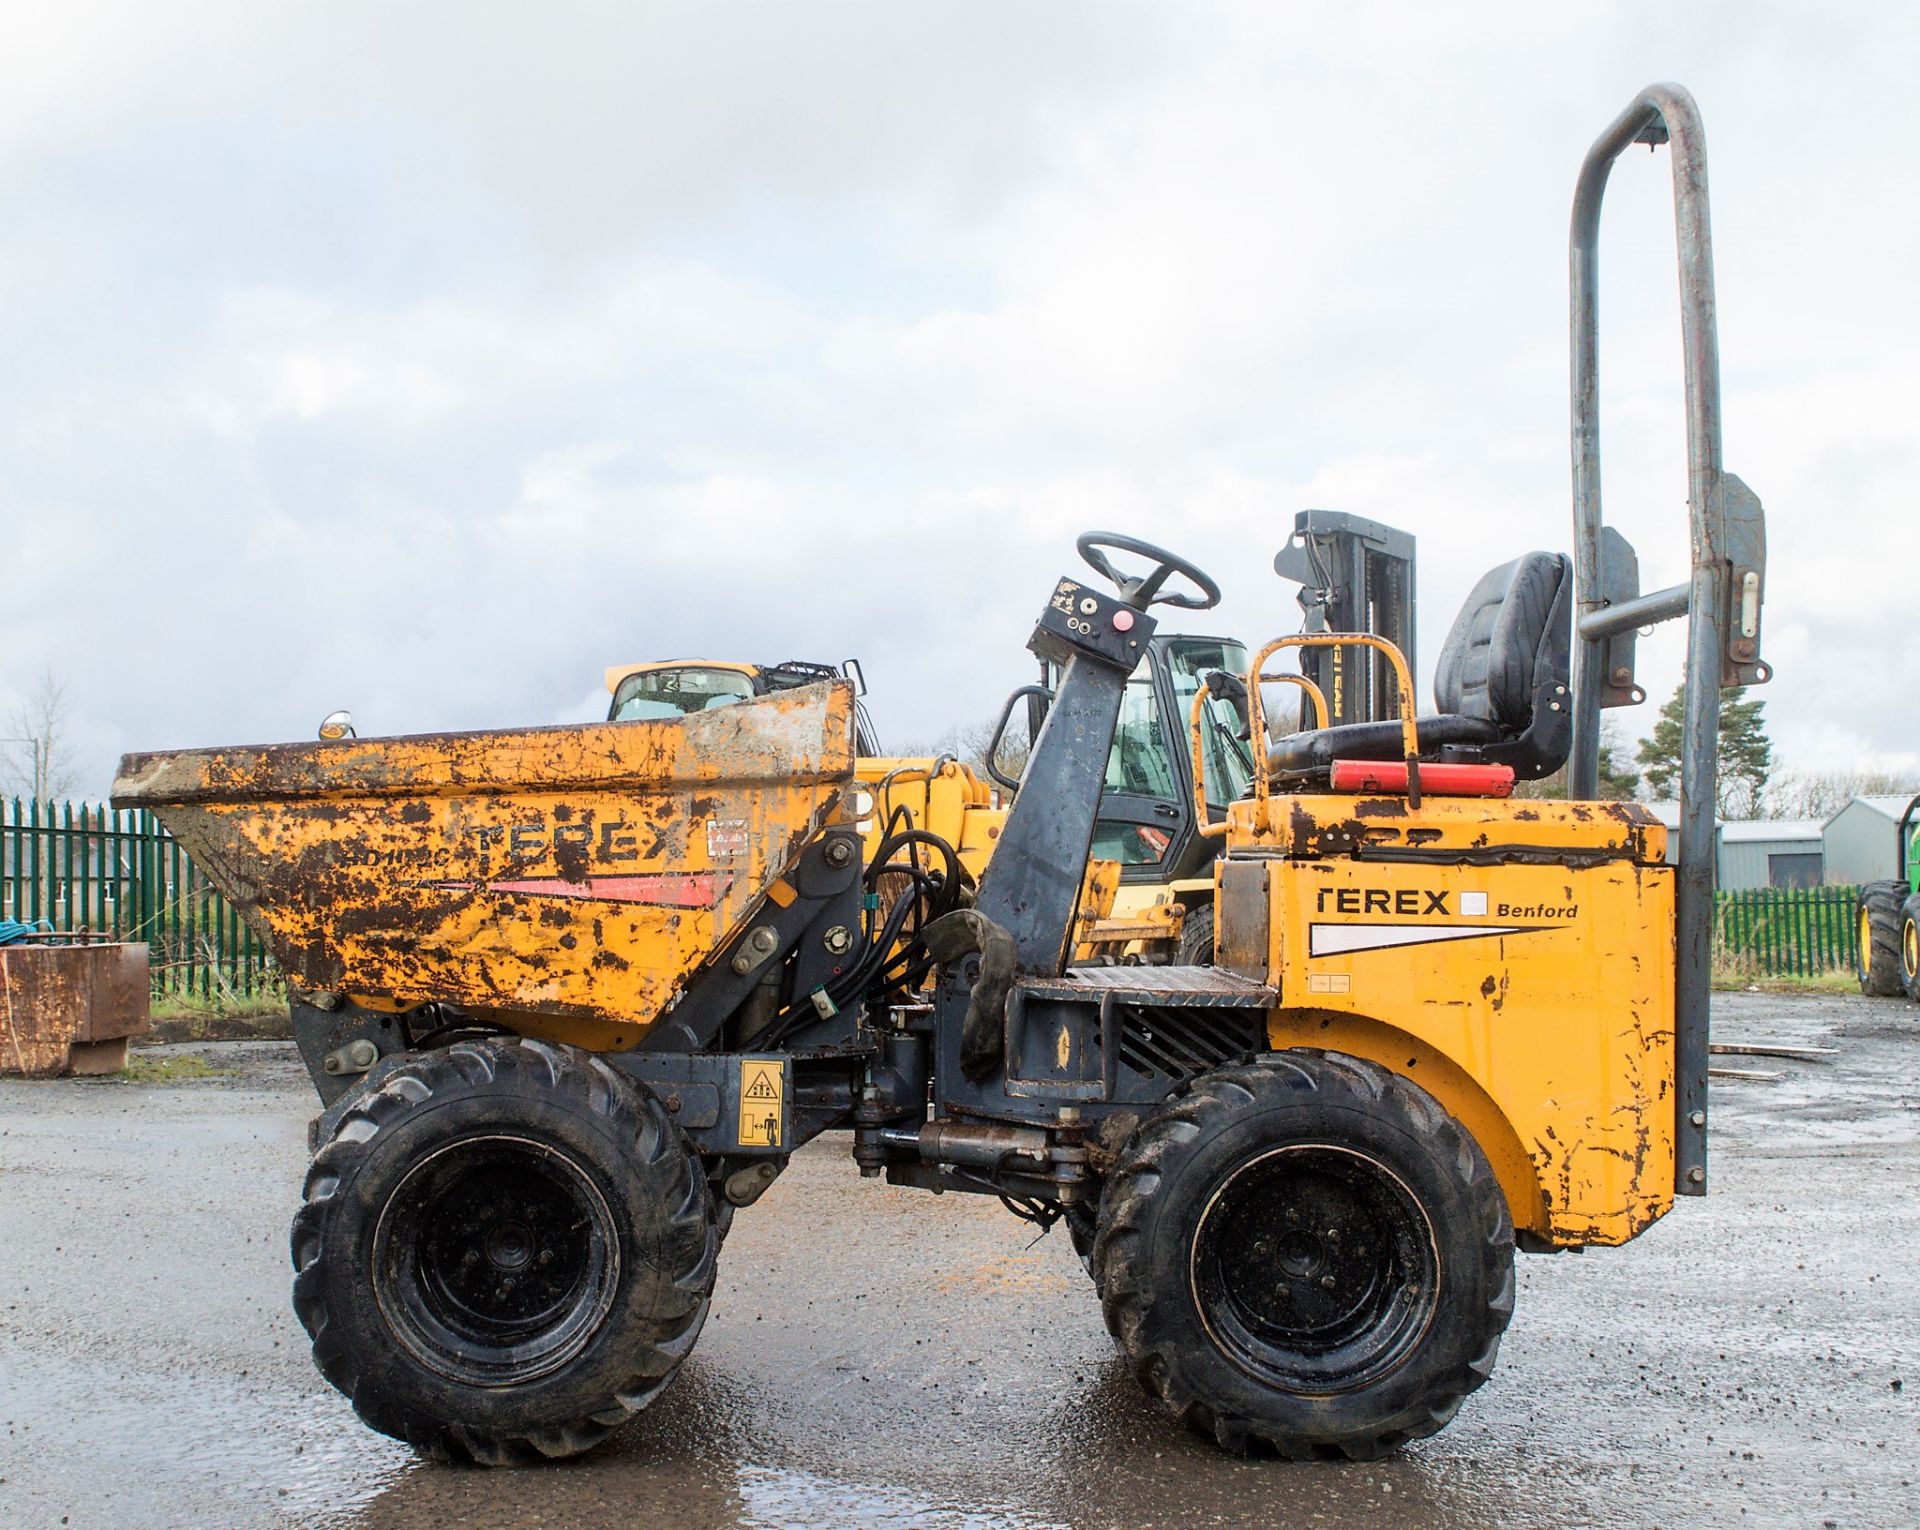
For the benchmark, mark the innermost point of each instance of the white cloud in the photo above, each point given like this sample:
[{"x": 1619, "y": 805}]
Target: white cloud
[{"x": 427, "y": 360}]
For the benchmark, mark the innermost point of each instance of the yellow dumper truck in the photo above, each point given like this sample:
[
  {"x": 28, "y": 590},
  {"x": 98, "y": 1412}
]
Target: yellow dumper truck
[{"x": 572, "y": 997}]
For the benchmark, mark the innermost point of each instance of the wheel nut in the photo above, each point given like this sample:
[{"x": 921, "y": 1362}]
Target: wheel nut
[
  {"x": 1326, "y": 1282},
  {"x": 546, "y": 1256}
]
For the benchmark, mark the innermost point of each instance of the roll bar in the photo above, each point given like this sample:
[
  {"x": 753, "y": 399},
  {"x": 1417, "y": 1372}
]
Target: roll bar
[
  {"x": 1257, "y": 723},
  {"x": 1196, "y": 741},
  {"x": 1722, "y": 596}
]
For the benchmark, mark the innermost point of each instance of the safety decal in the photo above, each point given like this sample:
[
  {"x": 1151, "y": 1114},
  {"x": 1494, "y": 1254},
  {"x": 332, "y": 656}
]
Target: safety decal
[
  {"x": 1342, "y": 939},
  {"x": 727, "y": 836},
  {"x": 763, "y": 1093}
]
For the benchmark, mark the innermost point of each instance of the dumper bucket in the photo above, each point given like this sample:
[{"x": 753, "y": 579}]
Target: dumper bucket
[{"x": 580, "y": 872}]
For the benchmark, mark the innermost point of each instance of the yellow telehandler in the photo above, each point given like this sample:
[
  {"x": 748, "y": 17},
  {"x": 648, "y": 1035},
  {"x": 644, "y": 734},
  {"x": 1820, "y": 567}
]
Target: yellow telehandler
[
  {"x": 573, "y": 996},
  {"x": 1150, "y": 888},
  {"x": 1153, "y": 891}
]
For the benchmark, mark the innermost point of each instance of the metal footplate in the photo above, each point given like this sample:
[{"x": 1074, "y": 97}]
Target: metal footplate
[{"x": 1116, "y": 1033}]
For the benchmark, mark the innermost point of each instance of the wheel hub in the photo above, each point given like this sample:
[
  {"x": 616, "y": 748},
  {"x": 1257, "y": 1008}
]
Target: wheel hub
[
  {"x": 1314, "y": 1268},
  {"x": 495, "y": 1260},
  {"x": 510, "y": 1248}
]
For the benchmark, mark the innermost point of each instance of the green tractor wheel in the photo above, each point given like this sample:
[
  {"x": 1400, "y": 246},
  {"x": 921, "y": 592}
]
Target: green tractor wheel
[
  {"x": 1910, "y": 946},
  {"x": 1877, "y": 925}
]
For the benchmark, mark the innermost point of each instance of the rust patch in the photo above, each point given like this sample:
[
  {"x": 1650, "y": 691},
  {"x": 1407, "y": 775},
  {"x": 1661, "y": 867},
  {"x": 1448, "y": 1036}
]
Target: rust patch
[{"x": 1301, "y": 826}]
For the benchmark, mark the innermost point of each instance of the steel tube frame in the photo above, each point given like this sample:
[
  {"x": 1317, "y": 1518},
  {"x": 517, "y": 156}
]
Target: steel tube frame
[
  {"x": 1661, "y": 113},
  {"x": 1642, "y": 611}
]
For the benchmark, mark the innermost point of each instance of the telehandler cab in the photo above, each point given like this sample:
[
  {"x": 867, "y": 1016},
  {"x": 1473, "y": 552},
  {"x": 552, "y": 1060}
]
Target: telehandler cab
[{"x": 573, "y": 996}]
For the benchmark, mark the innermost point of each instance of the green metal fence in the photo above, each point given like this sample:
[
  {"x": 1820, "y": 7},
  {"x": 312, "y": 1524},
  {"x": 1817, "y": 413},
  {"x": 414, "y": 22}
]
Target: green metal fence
[
  {"x": 86, "y": 869},
  {"x": 1785, "y": 931}
]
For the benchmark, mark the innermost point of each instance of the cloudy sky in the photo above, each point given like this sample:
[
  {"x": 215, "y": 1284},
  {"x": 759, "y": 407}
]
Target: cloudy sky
[{"x": 426, "y": 358}]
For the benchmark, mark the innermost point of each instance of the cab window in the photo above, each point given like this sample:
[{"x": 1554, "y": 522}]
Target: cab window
[
  {"x": 1131, "y": 844},
  {"x": 1138, "y": 764},
  {"x": 1226, "y": 756},
  {"x": 658, "y": 693}
]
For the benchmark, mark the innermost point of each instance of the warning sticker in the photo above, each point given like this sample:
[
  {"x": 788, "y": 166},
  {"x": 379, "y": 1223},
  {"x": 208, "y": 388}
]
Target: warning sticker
[
  {"x": 763, "y": 1099},
  {"x": 726, "y": 836}
]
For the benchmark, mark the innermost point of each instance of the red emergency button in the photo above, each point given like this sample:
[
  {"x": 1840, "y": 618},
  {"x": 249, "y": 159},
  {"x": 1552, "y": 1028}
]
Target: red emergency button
[{"x": 1123, "y": 620}]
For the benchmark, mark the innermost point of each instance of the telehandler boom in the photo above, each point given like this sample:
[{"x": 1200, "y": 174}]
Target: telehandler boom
[{"x": 572, "y": 997}]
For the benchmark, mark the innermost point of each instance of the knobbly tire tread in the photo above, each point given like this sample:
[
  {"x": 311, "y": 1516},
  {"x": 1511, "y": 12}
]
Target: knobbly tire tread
[
  {"x": 636, "y": 1357},
  {"x": 1196, "y": 936},
  {"x": 1878, "y": 968},
  {"x": 1909, "y": 916},
  {"x": 1173, "y": 1371}
]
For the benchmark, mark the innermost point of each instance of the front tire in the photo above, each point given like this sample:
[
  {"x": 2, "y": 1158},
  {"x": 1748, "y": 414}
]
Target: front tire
[
  {"x": 1876, "y": 914},
  {"x": 1910, "y": 946},
  {"x": 505, "y": 1250},
  {"x": 1308, "y": 1254}
]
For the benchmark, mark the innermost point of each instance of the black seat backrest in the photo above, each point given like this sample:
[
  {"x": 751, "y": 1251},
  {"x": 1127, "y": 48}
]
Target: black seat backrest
[
  {"x": 1502, "y": 688},
  {"x": 1512, "y": 634}
]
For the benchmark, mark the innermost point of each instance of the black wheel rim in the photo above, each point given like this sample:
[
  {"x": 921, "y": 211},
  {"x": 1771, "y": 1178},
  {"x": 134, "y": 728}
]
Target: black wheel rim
[
  {"x": 1314, "y": 1269},
  {"x": 495, "y": 1260}
]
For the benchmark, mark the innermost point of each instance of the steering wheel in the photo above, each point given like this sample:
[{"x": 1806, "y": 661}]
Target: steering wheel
[{"x": 1144, "y": 590}]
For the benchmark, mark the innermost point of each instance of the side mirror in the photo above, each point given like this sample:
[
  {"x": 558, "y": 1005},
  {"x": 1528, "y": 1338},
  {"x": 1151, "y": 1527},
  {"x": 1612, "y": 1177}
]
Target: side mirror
[
  {"x": 337, "y": 725},
  {"x": 1232, "y": 690},
  {"x": 852, "y": 670}
]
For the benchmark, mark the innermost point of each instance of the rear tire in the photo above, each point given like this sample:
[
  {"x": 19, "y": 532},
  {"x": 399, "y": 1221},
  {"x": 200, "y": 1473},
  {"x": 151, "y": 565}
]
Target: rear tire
[
  {"x": 505, "y": 1251},
  {"x": 1910, "y": 946},
  {"x": 1876, "y": 916},
  {"x": 1308, "y": 1254}
]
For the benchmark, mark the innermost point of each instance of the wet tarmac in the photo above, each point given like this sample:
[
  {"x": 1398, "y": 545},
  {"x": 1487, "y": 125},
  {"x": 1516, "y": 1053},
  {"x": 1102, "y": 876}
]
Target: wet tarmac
[{"x": 882, "y": 1358}]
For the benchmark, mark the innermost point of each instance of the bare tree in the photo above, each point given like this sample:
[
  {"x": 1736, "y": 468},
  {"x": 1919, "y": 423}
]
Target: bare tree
[
  {"x": 1821, "y": 794},
  {"x": 967, "y": 743},
  {"x": 35, "y": 756}
]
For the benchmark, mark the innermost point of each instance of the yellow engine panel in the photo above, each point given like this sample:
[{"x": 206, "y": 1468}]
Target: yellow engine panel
[
  {"x": 943, "y": 797},
  {"x": 1513, "y": 958}
]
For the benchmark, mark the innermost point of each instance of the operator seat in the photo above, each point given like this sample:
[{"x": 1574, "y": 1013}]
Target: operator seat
[{"x": 1501, "y": 685}]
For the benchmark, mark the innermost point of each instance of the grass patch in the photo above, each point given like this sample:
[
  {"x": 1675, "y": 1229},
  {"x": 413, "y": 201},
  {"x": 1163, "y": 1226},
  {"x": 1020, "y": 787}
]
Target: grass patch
[
  {"x": 146, "y": 1069},
  {"x": 190, "y": 1017},
  {"x": 1839, "y": 980}
]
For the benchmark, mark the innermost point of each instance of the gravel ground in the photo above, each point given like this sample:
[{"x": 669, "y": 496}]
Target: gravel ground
[{"x": 878, "y": 1357}]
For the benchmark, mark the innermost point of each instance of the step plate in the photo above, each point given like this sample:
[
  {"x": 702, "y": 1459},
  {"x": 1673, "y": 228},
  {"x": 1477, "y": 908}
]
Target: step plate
[{"x": 1169, "y": 987}]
